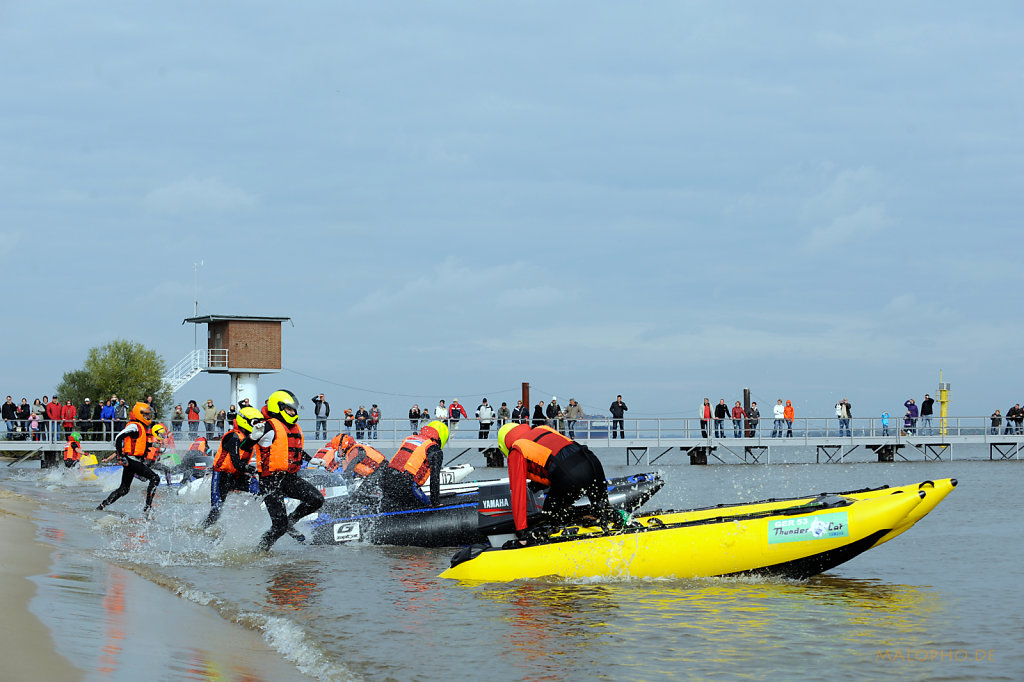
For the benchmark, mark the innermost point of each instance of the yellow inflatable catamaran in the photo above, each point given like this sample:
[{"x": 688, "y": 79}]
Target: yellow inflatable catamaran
[{"x": 794, "y": 538}]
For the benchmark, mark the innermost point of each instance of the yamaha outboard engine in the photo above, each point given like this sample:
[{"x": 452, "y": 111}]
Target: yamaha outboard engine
[{"x": 494, "y": 511}]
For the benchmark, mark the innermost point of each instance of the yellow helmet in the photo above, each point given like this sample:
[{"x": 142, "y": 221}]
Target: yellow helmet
[
  {"x": 506, "y": 438},
  {"x": 441, "y": 429},
  {"x": 143, "y": 413},
  {"x": 159, "y": 431},
  {"x": 246, "y": 418},
  {"x": 283, "y": 405}
]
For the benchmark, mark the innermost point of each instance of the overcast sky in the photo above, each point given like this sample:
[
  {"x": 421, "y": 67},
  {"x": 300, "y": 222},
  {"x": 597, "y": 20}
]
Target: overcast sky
[{"x": 668, "y": 200}]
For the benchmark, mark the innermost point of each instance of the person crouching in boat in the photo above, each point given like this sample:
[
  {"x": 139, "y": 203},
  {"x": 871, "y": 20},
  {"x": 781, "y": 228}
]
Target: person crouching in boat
[
  {"x": 131, "y": 448},
  {"x": 73, "y": 450},
  {"x": 352, "y": 458},
  {"x": 279, "y": 453},
  {"x": 566, "y": 468},
  {"x": 418, "y": 460},
  {"x": 232, "y": 467}
]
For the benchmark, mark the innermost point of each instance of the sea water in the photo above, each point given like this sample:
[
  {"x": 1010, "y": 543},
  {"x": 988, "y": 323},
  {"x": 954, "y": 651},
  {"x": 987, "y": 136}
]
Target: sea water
[{"x": 940, "y": 601}]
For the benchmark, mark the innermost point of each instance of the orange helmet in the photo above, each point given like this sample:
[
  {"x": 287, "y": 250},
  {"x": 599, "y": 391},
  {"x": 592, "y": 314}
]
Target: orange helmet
[{"x": 142, "y": 413}]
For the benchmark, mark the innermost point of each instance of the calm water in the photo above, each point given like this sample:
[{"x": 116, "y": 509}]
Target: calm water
[{"x": 941, "y": 601}]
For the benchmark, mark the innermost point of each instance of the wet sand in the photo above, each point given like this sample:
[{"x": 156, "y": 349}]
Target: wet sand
[
  {"x": 26, "y": 645},
  {"x": 203, "y": 645}
]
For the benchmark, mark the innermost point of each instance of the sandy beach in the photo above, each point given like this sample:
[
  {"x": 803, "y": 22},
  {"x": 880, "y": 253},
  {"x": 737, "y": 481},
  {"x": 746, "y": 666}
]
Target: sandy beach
[
  {"x": 26, "y": 645},
  {"x": 176, "y": 639}
]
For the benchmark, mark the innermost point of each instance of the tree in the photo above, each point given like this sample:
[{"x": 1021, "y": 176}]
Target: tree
[{"x": 126, "y": 368}]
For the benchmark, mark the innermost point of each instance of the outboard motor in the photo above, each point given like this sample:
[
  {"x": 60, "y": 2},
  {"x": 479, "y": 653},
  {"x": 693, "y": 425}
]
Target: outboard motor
[{"x": 494, "y": 511}]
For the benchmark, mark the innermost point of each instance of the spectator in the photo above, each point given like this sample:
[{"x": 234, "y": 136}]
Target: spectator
[
  {"x": 177, "y": 419},
  {"x": 321, "y": 410},
  {"x": 572, "y": 414},
  {"x": 520, "y": 413},
  {"x": 39, "y": 410},
  {"x": 779, "y": 414},
  {"x": 121, "y": 416},
  {"x": 414, "y": 418},
  {"x": 926, "y": 415},
  {"x": 790, "y": 415},
  {"x": 24, "y": 411},
  {"x": 152, "y": 407},
  {"x": 485, "y": 413},
  {"x": 1019, "y": 420},
  {"x": 107, "y": 420},
  {"x": 441, "y": 412},
  {"x": 374, "y": 421},
  {"x": 753, "y": 418},
  {"x": 997, "y": 421},
  {"x": 209, "y": 418},
  {"x": 362, "y": 416},
  {"x": 737, "y": 420},
  {"x": 551, "y": 413},
  {"x": 843, "y": 413},
  {"x": 503, "y": 415},
  {"x": 908, "y": 423},
  {"x": 10, "y": 415},
  {"x": 705, "y": 417},
  {"x": 721, "y": 414},
  {"x": 53, "y": 415},
  {"x": 85, "y": 417},
  {"x": 221, "y": 417},
  {"x": 455, "y": 412},
  {"x": 538, "y": 415},
  {"x": 912, "y": 411},
  {"x": 1012, "y": 415},
  {"x": 232, "y": 413},
  {"x": 885, "y": 423},
  {"x": 348, "y": 421},
  {"x": 192, "y": 415},
  {"x": 33, "y": 426},
  {"x": 618, "y": 408},
  {"x": 68, "y": 415}
]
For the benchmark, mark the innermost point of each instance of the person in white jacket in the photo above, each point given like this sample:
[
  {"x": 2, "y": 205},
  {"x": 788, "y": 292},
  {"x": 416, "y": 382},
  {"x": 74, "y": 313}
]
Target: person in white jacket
[
  {"x": 779, "y": 413},
  {"x": 485, "y": 413}
]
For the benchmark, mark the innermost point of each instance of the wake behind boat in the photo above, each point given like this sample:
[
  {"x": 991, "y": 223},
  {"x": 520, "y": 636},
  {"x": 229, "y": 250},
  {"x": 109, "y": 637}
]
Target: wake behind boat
[{"x": 794, "y": 538}]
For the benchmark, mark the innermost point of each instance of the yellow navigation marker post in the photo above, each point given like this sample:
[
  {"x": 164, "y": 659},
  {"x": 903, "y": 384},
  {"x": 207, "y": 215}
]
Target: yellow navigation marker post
[{"x": 943, "y": 404}]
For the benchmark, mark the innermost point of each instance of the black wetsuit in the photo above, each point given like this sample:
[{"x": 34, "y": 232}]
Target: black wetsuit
[
  {"x": 399, "y": 489},
  {"x": 575, "y": 471},
  {"x": 275, "y": 488},
  {"x": 133, "y": 466},
  {"x": 223, "y": 482}
]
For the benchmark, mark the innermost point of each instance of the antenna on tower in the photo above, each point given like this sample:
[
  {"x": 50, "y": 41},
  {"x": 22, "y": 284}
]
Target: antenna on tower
[{"x": 195, "y": 312}]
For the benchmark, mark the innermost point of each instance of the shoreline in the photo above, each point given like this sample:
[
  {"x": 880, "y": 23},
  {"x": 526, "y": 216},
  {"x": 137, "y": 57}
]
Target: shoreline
[
  {"x": 27, "y": 646},
  {"x": 33, "y": 577}
]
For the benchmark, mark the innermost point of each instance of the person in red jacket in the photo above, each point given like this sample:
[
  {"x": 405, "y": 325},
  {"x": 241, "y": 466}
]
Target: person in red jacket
[
  {"x": 67, "y": 416},
  {"x": 455, "y": 412},
  {"x": 53, "y": 419},
  {"x": 738, "y": 415},
  {"x": 566, "y": 468}
]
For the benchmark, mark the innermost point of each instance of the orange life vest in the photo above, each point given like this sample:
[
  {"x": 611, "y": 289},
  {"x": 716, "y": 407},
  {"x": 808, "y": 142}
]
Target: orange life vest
[
  {"x": 72, "y": 453},
  {"x": 198, "y": 445},
  {"x": 285, "y": 453},
  {"x": 537, "y": 457},
  {"x": 412, "y": 458},
  {"x": 549, "y": 438},
  {"x": 222, "y": 460},
  {"x": 136, "y": 445},
  {"x": 362, "y": 460}
]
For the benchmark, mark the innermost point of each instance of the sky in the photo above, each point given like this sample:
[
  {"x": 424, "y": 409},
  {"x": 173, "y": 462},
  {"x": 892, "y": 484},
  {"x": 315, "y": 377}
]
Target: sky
[{"x": 664, "y": 200}]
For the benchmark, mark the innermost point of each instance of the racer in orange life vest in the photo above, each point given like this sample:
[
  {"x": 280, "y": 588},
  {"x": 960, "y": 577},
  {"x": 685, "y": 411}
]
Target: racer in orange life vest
[
  {"x": 73, "y": 450},
  {"x": 355, "y": 459},
  {"x": 566, "y": 468},
  {"x": 280, "y": 456},
  {"x": 232, "y": 468},
  {"x": 131, "y": 447},
  {"x": 418, "y": 460}
]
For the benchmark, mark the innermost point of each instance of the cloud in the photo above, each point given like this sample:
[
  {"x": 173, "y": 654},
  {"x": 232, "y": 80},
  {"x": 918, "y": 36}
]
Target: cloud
[
  {"x": 198, "y": 194},
  {"x": 862, "y": 223},
  {"x": 8, "y": 242}
]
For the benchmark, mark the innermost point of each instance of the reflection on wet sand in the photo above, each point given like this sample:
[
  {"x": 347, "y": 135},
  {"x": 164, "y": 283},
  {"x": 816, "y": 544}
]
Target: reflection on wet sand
[{"x": 292, "y": 587}]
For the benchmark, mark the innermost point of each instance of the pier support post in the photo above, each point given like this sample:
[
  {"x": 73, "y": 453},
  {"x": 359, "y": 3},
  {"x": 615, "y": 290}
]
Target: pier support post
[{"x": 699, "y": 455}]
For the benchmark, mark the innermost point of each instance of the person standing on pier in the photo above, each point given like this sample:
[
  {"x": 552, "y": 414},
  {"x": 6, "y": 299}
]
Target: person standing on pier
[
  {"x": 885, "y": 423},
  {"x": 520, "y": 413},
  {"x": 753, "y": 417},
  {"x": 912, "y": 412},
  {"x": 618, "y": 408},
  {"x": 503, "y": 415},
  {"x": 484, "y": 413},
  {"x": 737, "y": 420},
  {"x": 997, "y": 420},
  {"x": 572, "y": 415},
  {"x": 414, "y": 418},
  {"x": 843, "y": 413},
  {"x": 790, "y": 415},
  {"x": 926, "y": 415},
  {"x": 705, "y": 417},
  {"x": 321, "y": 410},
  {"x": 779, "y": 413},
  {"x": 456, "y": 412},
  {"x": 721, "y": 414}
]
